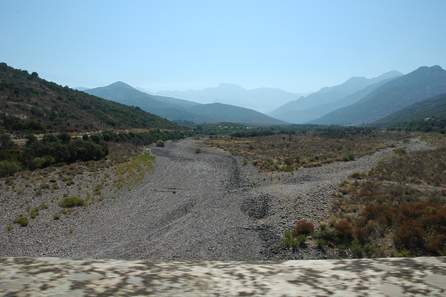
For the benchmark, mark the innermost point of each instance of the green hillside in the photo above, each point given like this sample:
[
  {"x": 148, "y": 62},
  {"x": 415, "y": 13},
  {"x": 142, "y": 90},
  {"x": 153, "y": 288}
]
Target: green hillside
[{"x": 29, "y": 103}]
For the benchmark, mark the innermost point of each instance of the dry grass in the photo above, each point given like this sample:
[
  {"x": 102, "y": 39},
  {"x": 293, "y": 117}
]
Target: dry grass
[
  {"x": 436, "y": 139},
  {"x": 133, "y": 171},
  {"x": 427, "y": 168},
  {"x": 290, "y": 152}
]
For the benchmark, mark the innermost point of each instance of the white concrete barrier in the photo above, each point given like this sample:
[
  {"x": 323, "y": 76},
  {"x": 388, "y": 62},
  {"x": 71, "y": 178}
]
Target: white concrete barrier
[{"x": 361, "y": 277}]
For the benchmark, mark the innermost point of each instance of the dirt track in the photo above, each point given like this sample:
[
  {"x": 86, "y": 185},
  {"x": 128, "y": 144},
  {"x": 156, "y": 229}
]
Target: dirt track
[{"x": 194, "y": 206}]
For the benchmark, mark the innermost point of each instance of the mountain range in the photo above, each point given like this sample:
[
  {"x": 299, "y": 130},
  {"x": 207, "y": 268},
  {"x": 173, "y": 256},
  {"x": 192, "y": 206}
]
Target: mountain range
[
  {"x": 393, "y": 96},
  {"x": 182, "y": 110},
  {"x": 390, "y": 100},
  {"x": 315, "y": 105},
  {"x": 260, "y": 99},
  {"x": 29, "y": 103}
]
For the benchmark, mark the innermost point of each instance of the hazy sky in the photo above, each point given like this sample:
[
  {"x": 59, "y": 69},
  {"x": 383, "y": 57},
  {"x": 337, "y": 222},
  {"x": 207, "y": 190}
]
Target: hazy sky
[{"x": 294, "y": 45}]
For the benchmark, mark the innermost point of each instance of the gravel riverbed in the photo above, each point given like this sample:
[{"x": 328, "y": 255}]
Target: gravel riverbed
[{"x": 194, "y": 205}]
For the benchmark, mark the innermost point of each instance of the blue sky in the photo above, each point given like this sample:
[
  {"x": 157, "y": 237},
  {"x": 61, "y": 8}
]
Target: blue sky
[{"x": 295, "y": 45}]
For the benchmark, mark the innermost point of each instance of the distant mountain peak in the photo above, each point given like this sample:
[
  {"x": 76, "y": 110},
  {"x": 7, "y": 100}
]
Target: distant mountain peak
[
  {"x": 429, "y": 68},
  {"x": 120, "y": 84},
  {"x": 230, "y": 86},
  {"x": 390, "y": 74},
  {"x": 356, "y": 78}
]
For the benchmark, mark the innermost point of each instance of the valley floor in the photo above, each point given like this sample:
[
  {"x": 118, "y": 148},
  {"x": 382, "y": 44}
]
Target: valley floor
[{"x": 199, "y": 203}]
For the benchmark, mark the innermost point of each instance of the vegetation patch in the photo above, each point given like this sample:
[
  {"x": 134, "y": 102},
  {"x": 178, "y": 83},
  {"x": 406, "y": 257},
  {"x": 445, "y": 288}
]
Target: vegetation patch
[
  {"x": 34, "y": 213},
  {"x": 22, "y": 220},
  {"x": 293, "y": 242},
  {"x": 397, "y": 209},
  {"x": 73, "y": 201},
  {"x": 303, "y": 227},
  {"x": 417, "y": 167},
  {"x": 59, "y": 149},
  {"x": 51, "y": 150},
  {"x": 289, "y": 152},
  {"x": 297, "y": 237},
  {"x": 133, "y": 171}
]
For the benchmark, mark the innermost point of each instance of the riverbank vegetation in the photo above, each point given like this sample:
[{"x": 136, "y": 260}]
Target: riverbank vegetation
[{"x": 59, "y": 149}]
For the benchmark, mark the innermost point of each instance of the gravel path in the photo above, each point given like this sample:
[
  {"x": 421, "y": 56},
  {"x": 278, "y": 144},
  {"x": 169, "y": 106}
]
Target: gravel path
[{"x": 194, "y": 206}]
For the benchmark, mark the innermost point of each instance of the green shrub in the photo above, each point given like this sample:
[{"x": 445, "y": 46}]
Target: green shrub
[
  {"x": 293, "y": 242},
  {"x": 358, "y": 175},
  {"x": 34, "y": 213},
  {"x": 301, "y": 240},
  {"x": 6, "y": 142},
  {"x": 42, "y": 162},
  {"x": 9, "y": 167},
  {"x": 348, "y": 157},
  {"x": 400, "y": 151},
  {"x": 289, "y": 241},
  {"x": 22, "y": 221},
  {"x": 357, "y": 249},
  {"x": 325, "y": 235},
  {"x": 73, "y": 201}
]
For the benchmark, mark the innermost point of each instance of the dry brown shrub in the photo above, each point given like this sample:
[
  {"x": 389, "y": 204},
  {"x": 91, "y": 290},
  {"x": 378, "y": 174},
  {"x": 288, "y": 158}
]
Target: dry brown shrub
[
  {"x": 344, "y": 229},
  {"x": 303, "y": 227}
]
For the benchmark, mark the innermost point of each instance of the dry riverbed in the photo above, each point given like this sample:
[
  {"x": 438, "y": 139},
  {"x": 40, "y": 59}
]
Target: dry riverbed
[{"x": 196, "y": 203}]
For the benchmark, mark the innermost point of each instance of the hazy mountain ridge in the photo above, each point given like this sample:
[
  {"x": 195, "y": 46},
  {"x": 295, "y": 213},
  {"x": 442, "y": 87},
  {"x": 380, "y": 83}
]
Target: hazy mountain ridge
[
  {"x": 259, "y": 99},
  {"x": 315, "y": 105},
  {"x": 430, "y": 109},
  {"x": 182, "y": 110},
  {"x": 421, "y": 84},
  {"x": 30, "y": 103}
]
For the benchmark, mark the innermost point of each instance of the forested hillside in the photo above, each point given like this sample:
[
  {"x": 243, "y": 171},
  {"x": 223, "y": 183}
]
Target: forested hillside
[{"x": 29, "y": 103}]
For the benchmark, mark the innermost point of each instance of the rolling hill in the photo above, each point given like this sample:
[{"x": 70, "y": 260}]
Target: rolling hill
[
  {"x": 259, "y": 99},
  {"x": 423, "y": 83},
  {"x": 28, "y": 102},
  {"x": 315, "y": 105},
  {"x": 182, "y": 110}
]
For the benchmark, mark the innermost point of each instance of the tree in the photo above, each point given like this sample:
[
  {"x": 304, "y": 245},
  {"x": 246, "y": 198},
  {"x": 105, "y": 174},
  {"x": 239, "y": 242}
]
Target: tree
[{"x": 6, "y": 142}]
